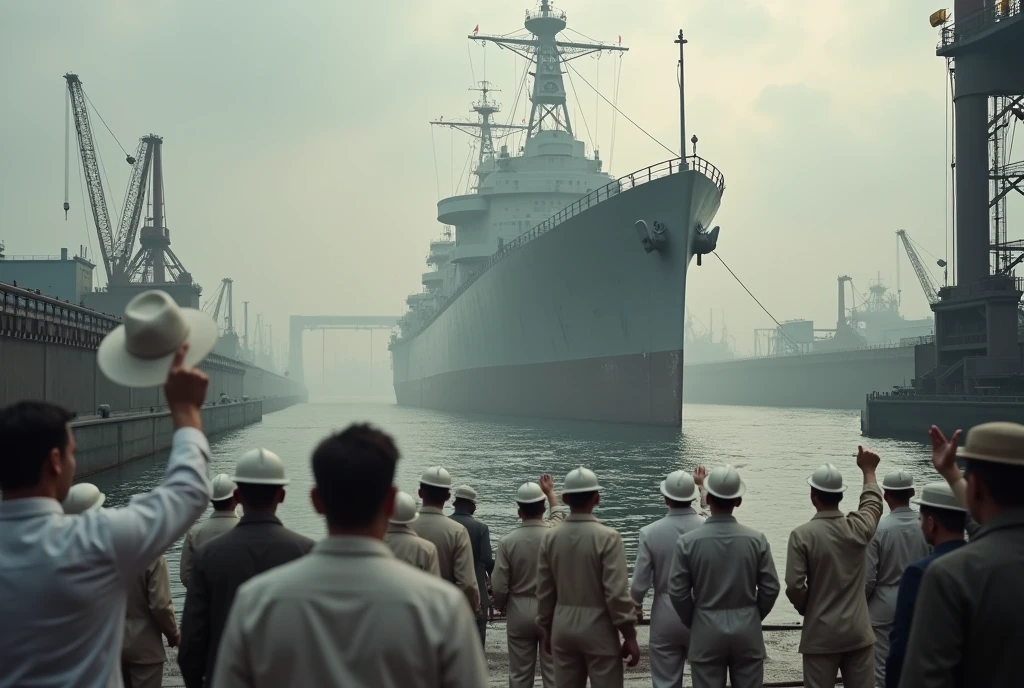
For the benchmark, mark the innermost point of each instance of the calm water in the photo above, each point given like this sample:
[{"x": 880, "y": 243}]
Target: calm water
[{"x": 774, "y": 449}]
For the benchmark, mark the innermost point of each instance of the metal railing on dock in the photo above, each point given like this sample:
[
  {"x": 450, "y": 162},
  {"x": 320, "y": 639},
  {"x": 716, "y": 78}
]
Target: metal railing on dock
[{"x": 978, "y": 21}]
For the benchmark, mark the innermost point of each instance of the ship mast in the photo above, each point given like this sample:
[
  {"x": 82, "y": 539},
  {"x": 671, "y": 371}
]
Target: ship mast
[
  {"x": 483, "y": 128},
  {"x": 549, "y": 111}
]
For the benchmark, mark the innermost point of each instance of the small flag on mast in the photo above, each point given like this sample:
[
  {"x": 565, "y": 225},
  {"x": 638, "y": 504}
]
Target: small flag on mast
[{"x": 476, "y": 29}]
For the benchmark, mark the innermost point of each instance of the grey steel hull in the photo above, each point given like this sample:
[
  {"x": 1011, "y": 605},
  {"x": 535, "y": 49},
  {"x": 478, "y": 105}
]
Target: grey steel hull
[{"x": 578, "y": 323}]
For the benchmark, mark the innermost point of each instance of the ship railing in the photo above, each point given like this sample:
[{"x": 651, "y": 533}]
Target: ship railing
[
  {"x": 912, "y": 394},
  {"x": 851, "y": 350},
  {"x": 978, "y": 21},
  {"x": 667, "y": 168},
  {"x": 25, "y": 313}
]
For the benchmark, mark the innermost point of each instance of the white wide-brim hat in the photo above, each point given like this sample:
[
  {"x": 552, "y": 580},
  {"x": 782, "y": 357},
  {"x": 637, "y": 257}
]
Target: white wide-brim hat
[{"x": 139, "y": 352}]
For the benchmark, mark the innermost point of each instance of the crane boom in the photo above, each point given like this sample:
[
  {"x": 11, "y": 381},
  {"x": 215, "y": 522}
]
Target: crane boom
[
  {"x": 128, "y": 230},
  {"x": 927, "y": 283},
  {"x": 90, "y": 164}
]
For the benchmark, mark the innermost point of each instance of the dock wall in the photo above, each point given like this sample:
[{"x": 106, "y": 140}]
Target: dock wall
[
  {"x": 910, "y": 418},
  {"x": 105, "y": 443}
]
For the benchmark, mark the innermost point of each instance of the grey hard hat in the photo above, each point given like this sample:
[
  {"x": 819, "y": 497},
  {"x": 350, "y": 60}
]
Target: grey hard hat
[
  {"x": 580, "y": 480},
  {"x": 679, "y": 486},
  {"x": 82, "y": 498},
  {"x": 436, "y": 477},
  {"x": 724, "y": 482},
  {"x": 938, "y": 495},
  {"x": 223, "y": 488},
  {"x": 827, "y": 478},
  {"x": 260, "y": 467},
  {"x": 899, "y": 479},
  {"x": 529, "y": 493},
  {"x": 465, "y": 492},
  {"x": 405, "y": 509}
]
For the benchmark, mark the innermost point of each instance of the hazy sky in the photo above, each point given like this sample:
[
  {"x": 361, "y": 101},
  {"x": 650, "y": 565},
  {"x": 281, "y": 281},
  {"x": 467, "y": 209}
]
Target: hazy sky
[{"x": 298, "y": 159}]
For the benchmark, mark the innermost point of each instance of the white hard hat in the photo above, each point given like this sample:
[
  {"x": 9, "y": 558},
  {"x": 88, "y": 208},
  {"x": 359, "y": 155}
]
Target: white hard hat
[
  {"x": 223, "y": 488},
  {"x": 405, "y": 509},
  {"x": 260, "y": 467},
  {"x": 465, "y": 492},
  {"x": 827, "y": 478},
  {"x": 724, "y": 482},
  {"x": 82, "y": 498},
  {"x": 898, "y": 480},
  {"x": 436, "y": 477},
  {"x": 938, "y": 495},
  {"x": 679, "y": 486},
  {"x": 529, "y": 493},
  {"x": 580, "y": 480}
]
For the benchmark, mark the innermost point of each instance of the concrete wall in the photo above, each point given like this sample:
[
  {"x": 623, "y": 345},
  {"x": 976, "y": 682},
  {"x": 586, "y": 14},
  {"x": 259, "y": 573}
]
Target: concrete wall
[
  {"x": 911, "y": 418},
  {"x": 106, "y": 443}
]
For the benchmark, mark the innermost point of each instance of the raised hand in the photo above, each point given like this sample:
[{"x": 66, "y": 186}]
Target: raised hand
[
  {"x": 547, "y": 484},
  {"x": 867, "y": 460},
  {"x": 699, "y": 473},
  {"x": 631, "y": 649},
  {"x": 944, "y": 452},
  {"x": 185, "y": 390}
]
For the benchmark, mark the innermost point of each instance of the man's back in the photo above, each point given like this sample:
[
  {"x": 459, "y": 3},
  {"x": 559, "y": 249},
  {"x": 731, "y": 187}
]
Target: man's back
[
  {"x": 480, "y": 542},
  {"x": 825, "y": 576},
  {"x": 409, "y": 547},
  {"x": 149, "y": 616},
  {"x": 217, "y": 524},
  {"x": 726, "y": 570},
  {"x": 967, "y": 617},
  {"x": 257, "y": 544},
  {"x": 897, "y": 543},
  {"x": 350, "y": 615},
  {"x": 517, "y": 561},
  {"x": 657, "y": 543},
  {"x": 454, "y": 550},
  {"x": 582, "y": 585}
]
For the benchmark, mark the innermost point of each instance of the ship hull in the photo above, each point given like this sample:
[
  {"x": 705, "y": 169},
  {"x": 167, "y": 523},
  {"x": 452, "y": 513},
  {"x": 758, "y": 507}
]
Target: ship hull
[{"x": 580, "y": 323}]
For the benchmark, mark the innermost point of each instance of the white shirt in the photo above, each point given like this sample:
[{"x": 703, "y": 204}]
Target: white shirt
[
  {"x": 350, "y": 614},
  {"x": 63, "y": 578},
  {"x": 898, "y": 542}
]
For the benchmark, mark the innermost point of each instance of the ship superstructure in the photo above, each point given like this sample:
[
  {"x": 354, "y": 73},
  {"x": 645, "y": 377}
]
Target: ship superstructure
[{"x": 557, "y": 290}]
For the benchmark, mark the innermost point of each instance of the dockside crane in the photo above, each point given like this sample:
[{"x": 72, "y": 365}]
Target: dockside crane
[
  {"x": 213, "y": 304},
  {"x": 931, "y": 290}
]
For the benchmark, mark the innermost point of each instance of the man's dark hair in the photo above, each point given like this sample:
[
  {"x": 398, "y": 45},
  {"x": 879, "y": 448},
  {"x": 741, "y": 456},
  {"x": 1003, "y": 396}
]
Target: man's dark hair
[
  {"x": 949, "y": 519},
  {"x": 720, "y": 503},
  {"x": 258, "y": 496},
  {"x": 827, "y": 498},
  {"x": 575, "y": 500},
  {"x": 673, "y": 504},
  {"x": 223, "y": 504},
  {"x": 533, "y": 509},
  {"x": 464, "y": 504},
  {"x": 433, "y": 493},
  {"x": 1005, "y": 482},
  {"x": 29, "y": 431},
  {"x": 354, "y": 471},
  {"x": 900, "y": 495}
]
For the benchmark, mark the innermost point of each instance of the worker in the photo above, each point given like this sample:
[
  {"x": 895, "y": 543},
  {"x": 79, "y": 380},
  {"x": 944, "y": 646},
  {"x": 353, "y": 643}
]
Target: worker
[
  {"x": 405, "y": 544},
  {"x": 257, "y": 544},
  {"x": 897, "y": 543},
  {"x": 220, "y": 521},
  {"x": 942, "y": 523},
  {"x": 454, "y": 549},
  {"x": 669, "y": 637},
  {"x": 723, "y": 583},
  {"x": 825, "y": 575},
  {"x": 350, "y": 615},
  {"x": 583, "y": 602},
  {"x": 150, "y": 619},
  {"x": 967, "y": 623},
  {"x": 514, "y": 582},
  {"x": 480, "y": 541}
]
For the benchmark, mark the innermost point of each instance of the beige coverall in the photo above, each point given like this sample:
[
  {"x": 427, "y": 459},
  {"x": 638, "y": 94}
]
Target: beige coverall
[
  {"x": 149, "y": 618},
  {"x": 411, "y": 548},
  {"x": 454, "y": 551}
]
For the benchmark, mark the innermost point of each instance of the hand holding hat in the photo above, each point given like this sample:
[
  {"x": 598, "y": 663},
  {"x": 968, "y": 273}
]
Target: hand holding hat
[{"x": 185, "y": 390}]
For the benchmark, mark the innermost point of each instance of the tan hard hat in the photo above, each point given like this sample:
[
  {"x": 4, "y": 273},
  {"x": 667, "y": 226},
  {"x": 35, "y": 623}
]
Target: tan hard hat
[
  {"x": 996, "y": 442},
  {"x": 223, "y": 488},
  {"x": 724, "y": 482},
  {"x": 82, "y": 498},
  {"x": 938, "y": 495},
  {"x": 260, "y": 467},
  {"x": 827, "y": 478},
  {"x": 405, "y": 509},
  {"x": 465, "y": 492},
  {"x": 580, "y": 480},
  {"x": 899, "y": 479},
  {"x": 679, "y": 486},
  {"x": 436, "y": 477},
  {"x": 529, "y": 493}
]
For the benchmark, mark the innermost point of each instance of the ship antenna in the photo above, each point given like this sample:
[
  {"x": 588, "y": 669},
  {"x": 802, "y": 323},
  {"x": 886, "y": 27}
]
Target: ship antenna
[{"x": 682, "y": 105}]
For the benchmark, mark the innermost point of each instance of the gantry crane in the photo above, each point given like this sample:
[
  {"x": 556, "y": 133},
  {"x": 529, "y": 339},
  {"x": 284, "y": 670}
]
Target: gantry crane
[{"x": 931, "y": 290}]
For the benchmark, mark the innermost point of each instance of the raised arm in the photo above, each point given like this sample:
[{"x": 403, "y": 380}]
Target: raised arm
[
  {"x": 864, "y": 521},
  {"x": 944, "y": 461},
  {"x": 556, "y": 511}
]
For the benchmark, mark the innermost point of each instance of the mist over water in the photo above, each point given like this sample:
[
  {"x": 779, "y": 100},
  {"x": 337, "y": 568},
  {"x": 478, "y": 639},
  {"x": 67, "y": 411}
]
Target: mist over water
[{"x": 774, "y": 449}]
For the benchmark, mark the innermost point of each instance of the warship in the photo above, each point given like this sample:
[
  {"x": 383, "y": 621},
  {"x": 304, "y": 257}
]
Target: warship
[{"x": 561, "y": 291}]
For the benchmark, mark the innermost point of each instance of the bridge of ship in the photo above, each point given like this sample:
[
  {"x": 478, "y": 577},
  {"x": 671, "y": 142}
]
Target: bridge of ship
[{"x": 300, "y": 323}]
